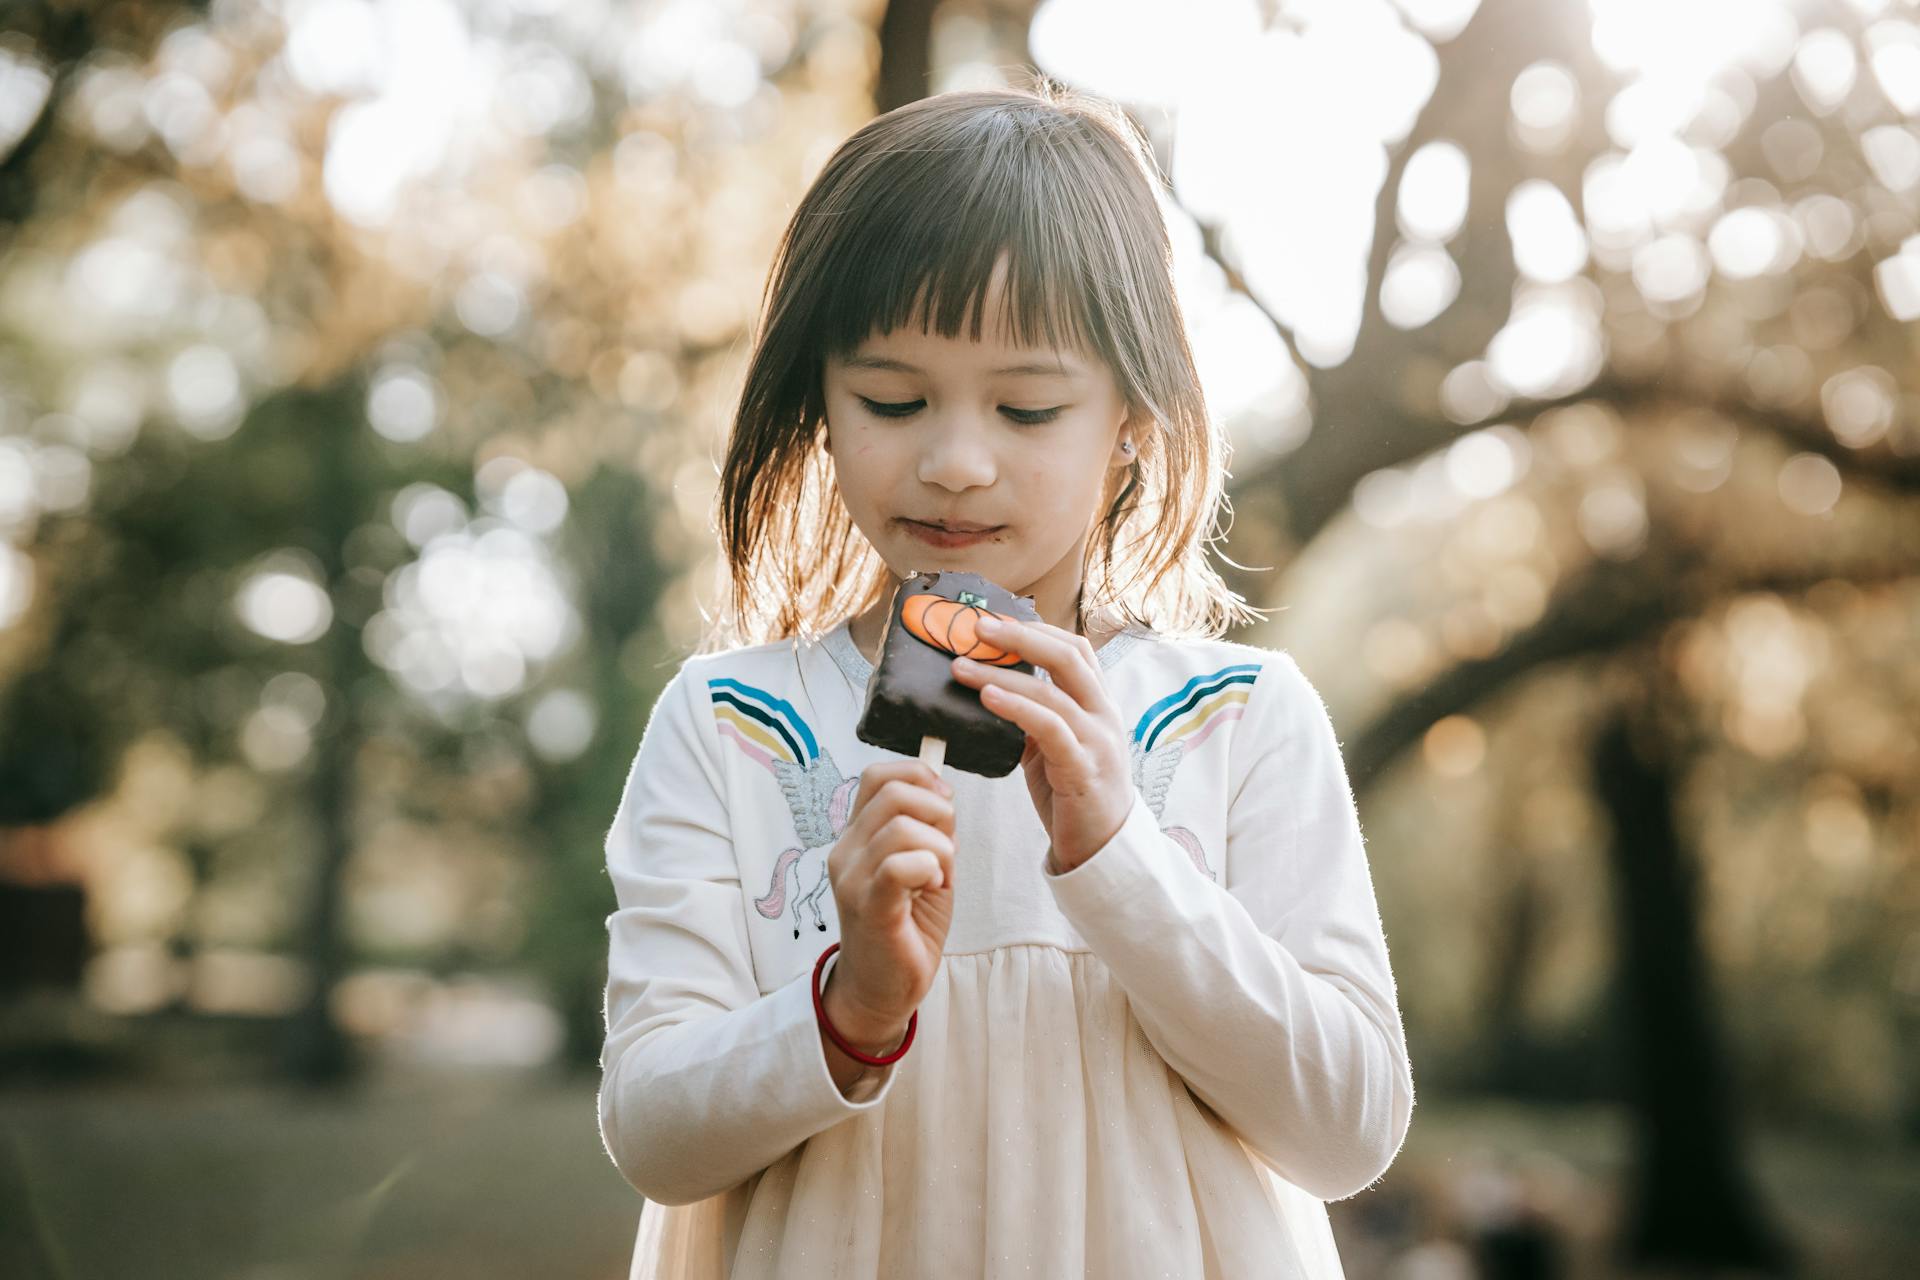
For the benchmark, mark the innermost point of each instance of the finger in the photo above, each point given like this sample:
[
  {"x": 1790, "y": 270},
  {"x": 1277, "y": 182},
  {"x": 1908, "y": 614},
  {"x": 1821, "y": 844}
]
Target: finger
[
  {"x": 1068, "y": 658},
  {"x": 943, "y": 856},
  {"x": 1026, "y": 684},
  {"x": 911, "y": 870},
  {"x": 909, "y": 835},
  {"x": 876, "y": 776},
  {"x": 901, "y": 798},
  {"x": 901, "y": 832},
  {"x": 863, "y": 841},
  {"x": 1055, "y": 738}
]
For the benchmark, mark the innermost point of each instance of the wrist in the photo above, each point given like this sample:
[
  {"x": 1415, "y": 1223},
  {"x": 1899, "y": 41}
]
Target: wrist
[
  {"x": 866, "y": 1031},
  {"x": 1060, "y": 861}
]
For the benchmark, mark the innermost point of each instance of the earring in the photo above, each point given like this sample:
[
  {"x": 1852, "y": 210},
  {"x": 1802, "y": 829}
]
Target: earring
[{"x": 1126, "y": 446}]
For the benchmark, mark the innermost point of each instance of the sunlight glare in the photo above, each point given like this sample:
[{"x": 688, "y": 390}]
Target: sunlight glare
[
  {"x": 474, "y": 616},
  {"x": 1662, "y": 183},
  {"x": 1438, "y": 20},
  {"x": 1421, "y": 281},
  {"x": 403, "y": 404},
  {"x": 1823, "y": 69},
  {"x": 412, "y": 74},
  {"x": 284, "y": 601},
  {"x": 1894, "y": 54},
  {"x": 333, "y": 47},
  {"x": 1296, "y": 205},
  {"x": 1469, "y": 392},
  {"x": 1545, "y": 101},
  {"x": 1552, "y": 344},
  {"x": 1671, "y": 271},
  {"x": 1860, "y": 405},
  {"x": 1753, "y": 241},
  {"x": 1897, "y": 279},
  {"x": 1433, "y": 192},
  {"x": 1809, "y": 484},
  {"x": 533, "y": 499},
  {"x": 1143, "y": 52},
  {"x": 24, "y": 85},
  {"x": 1893, "y": 153},
  {"x": 1693, "y": 41},
  {"x": 423, "y": 511},
  {"x": 1548, "y": 243},
  {"x": 1612, "y": 514},
  {"x": 1484, "y": 463},
  {"x": 204, "y": 391},
  {"x": 561, "y": 725}
]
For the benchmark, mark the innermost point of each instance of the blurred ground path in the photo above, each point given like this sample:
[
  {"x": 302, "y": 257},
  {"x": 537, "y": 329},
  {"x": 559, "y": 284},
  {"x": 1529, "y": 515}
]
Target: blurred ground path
[
  {"x": 475, "y": 1177},
  {"x": 428, "y": 1179}
]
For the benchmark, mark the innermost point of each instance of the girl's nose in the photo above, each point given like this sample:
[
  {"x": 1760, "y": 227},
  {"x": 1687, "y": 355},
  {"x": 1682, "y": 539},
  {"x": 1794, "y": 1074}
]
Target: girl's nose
[{"x": 957, "y": 456}]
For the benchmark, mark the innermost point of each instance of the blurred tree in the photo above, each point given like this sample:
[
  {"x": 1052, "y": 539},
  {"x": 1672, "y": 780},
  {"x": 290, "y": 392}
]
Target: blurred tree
[
  {"x": 906, "y": 54},
  {"x": 621, "y": 579},
  {"x": 398, "y": 445},
  {"x": 1694, "y": 1199},
  {"x": 144, "y": 640}
]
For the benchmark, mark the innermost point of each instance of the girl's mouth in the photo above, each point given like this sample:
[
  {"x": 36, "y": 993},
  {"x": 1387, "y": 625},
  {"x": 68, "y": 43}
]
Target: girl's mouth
[{"x": 936, "y": 536}]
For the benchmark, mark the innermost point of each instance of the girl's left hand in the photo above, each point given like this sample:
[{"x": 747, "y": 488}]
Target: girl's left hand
[{"x": 1079, "y": 770}]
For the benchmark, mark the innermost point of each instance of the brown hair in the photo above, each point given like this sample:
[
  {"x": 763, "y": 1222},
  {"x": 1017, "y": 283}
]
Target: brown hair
[{"x": 928, "y": 197}]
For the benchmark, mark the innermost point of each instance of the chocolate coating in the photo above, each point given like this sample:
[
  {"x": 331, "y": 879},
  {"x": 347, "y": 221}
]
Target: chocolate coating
[{"x": 912, "y": 693}]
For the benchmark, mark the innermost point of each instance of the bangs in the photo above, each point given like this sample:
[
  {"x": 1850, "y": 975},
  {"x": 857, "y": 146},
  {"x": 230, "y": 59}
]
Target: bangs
[{"x": 928, "y": 248}]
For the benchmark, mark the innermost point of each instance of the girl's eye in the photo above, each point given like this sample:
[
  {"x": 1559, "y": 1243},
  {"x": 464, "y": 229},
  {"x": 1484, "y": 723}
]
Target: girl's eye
[
  {"x": 1026, "y": 417},
  {"x": 889, "y": 410}
]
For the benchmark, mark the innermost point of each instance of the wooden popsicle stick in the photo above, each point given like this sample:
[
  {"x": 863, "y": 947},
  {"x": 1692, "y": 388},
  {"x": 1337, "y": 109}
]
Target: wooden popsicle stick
[{"x": 933, "y": 751}]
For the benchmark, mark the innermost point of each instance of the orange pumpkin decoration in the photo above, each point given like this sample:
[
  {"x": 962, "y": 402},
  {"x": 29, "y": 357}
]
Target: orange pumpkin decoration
[{"x": 949, "y": 625}]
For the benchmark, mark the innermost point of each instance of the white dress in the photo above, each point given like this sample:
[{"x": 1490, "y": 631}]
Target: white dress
[{"x": 1160, "y": 1063}]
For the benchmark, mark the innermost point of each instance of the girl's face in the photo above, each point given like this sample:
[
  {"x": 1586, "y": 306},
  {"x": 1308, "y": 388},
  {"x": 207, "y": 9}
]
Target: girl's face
[{"x": 982, "y": 457}]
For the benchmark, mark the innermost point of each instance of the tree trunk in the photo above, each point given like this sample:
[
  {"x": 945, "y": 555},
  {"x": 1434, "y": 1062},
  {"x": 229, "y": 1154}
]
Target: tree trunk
[
  {"x": 1690, "y": 1200},
  {"x": 1510, "y": 1059},
  {"x": 906, "y": 54},
  {"x": 317, "y": 1051}
]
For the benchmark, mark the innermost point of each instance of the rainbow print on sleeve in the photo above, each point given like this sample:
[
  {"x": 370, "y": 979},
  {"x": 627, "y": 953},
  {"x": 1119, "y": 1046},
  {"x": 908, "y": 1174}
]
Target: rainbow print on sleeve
[
  {"x": 1198, "y": 707},
  {"x": 1178, "y": 724},
  {"x": 765, "y": 727}
]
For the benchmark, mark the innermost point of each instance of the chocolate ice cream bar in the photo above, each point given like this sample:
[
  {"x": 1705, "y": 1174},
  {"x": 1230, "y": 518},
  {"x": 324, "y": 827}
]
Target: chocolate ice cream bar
[{"x": 913, "y": 696}]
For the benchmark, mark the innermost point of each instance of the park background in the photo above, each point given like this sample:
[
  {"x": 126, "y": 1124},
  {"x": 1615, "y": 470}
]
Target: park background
[{"x": 363, "y": 367}]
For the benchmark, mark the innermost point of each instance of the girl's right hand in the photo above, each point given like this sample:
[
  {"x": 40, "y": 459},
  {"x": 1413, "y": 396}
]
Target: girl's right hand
[{"x": 892, "y": 874}]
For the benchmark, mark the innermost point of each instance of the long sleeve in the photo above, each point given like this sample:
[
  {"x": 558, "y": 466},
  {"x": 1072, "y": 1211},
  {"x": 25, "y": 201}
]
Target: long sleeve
[
  {"x": 1269, "y": 993},
  {"x": 704, "y": 1080}
]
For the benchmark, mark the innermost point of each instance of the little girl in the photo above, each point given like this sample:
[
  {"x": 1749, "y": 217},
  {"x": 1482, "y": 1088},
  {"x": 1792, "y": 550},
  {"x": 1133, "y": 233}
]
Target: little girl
[{"x": 1124, "y": 1012}]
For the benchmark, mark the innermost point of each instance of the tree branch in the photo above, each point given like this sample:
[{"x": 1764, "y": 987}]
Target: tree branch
[{"x": 1611, "y": 605}]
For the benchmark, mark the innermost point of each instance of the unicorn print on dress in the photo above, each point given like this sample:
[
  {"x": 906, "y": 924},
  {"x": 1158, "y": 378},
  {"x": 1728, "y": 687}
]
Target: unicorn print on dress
[
  {"x": 1174, "y": 727},
  {"x": 773, "y": 735}
]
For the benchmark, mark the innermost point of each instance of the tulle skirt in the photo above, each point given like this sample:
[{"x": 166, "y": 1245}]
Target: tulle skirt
[{"x": 1033, "y": 1131}]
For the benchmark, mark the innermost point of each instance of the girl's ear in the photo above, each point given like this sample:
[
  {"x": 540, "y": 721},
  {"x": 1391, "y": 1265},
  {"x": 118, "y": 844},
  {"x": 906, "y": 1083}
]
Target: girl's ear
[{"x": 1126, "y": 448}]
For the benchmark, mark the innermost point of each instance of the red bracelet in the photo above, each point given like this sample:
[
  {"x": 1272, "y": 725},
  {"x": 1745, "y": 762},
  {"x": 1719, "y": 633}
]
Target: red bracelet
[{"x": 820, "y": 1012}]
